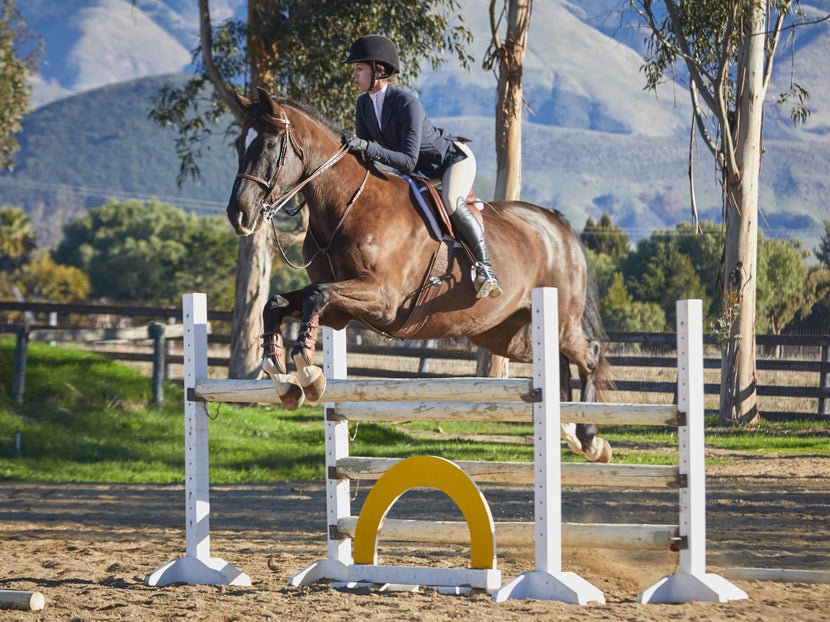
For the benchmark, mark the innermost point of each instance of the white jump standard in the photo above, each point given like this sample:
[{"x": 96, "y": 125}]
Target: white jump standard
[
  {"x": 486, "y": 399},
  {"x": 197, "y": 567}
]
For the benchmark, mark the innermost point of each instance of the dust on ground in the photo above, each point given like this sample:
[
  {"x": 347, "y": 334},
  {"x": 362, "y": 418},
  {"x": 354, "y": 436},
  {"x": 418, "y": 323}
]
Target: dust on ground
[{"x": 89, "y": 547}]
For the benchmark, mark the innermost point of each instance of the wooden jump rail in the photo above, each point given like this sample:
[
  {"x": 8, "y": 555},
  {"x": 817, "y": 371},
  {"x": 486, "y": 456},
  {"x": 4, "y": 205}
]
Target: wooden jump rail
[{"x": 491, "y": 399}]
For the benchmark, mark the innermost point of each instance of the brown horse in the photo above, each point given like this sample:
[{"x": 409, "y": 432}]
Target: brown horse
[{"x": 370, "y": 258}]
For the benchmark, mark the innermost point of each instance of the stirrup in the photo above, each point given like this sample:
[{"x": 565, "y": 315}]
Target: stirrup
[{"x": 487, "y": 284}]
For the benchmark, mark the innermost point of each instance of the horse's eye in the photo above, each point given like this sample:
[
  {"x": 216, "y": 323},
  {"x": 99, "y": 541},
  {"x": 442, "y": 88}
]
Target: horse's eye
[{"x": 271, "y": 144}]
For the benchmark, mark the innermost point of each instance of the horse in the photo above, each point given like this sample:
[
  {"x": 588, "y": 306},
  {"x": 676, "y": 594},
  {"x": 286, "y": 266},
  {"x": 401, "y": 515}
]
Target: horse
[{"x": 369, "y": 255}]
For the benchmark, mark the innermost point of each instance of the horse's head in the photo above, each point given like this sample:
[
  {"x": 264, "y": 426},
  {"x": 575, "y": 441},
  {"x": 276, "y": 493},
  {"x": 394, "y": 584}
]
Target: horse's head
[{"x": 270, "y": 161}]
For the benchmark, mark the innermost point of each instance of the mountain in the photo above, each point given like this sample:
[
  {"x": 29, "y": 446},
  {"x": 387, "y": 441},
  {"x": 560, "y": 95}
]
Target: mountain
[{"x": 594, "y": 139}]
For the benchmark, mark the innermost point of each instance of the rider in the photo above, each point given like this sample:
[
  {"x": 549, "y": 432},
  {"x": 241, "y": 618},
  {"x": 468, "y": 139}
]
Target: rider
[{"x": 403, "y": 137}]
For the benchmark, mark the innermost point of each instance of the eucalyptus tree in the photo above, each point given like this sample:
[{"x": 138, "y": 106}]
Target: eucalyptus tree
[
  {"x": 505, "y": 56},
  {"x": 19, "y": 53},
  {"x": 293, "y": 48},
  {"x": 725, "y": 49}
]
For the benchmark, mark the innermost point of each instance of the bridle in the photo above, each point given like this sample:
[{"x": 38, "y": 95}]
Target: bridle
[{"x": 271, "y": 206}]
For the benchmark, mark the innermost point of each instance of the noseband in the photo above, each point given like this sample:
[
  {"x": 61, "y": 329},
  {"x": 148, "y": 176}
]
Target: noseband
[{"x": 269, "y": 206}]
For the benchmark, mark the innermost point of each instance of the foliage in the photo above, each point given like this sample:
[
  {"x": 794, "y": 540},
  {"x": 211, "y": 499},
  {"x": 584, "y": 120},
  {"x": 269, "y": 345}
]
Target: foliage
[
  {"x": 823, "y": 250},
  {"x": 605, "y": 238},
  {"x": 660, "y": 272},
  {"x": 287, "y": 279},
  {"x": 29, "y": 273},
  {"x": 783, "y": 286},
  {"x": 18, "y": 61},
  {"x": 17, "y": 238},
  {"x": 151, "y": 252},
  {"x": 44, "y": 280},
  {"x": 639, "y": 292},
  {"x": 620, "y": 311},
  {"x": 297, "y": 49}
]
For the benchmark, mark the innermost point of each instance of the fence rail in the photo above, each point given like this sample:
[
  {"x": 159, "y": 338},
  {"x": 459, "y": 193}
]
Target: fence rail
[{"x": 640, "y": 361}]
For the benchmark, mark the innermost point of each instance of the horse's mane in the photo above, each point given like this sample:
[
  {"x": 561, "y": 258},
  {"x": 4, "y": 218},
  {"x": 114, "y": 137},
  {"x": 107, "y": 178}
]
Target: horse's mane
[{"x": 310, "y": 111}]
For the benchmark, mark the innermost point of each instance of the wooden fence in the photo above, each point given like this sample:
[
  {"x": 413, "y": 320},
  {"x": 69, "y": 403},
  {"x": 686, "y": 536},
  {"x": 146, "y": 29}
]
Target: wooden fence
[{"x": 794, "y": 384}]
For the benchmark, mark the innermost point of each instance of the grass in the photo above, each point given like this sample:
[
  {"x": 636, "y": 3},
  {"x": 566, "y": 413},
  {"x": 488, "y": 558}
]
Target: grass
[{"x": 88, "y": 419}]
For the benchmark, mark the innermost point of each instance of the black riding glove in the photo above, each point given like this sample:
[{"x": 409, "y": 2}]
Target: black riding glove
[{"x": 353, "y": 143}]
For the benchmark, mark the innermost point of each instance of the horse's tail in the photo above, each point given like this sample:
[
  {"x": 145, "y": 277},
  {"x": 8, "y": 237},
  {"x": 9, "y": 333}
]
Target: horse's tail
[{"x": 595, "y": 332}]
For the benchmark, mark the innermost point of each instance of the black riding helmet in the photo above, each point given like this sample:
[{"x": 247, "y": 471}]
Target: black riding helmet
[{"x": 375, "y": 49}]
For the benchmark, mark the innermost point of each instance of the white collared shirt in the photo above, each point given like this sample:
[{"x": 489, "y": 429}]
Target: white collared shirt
[{"x": 377, "y": 100}]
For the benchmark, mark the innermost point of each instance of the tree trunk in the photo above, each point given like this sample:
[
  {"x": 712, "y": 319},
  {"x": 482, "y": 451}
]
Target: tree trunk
[
  {"x": 509, "y": 103},
  {"x": 511, "y": 56},
  {"x": 738, "y": 398},
  {"x": 252, "y": 283},
  {"x": 253, "y": 272}
]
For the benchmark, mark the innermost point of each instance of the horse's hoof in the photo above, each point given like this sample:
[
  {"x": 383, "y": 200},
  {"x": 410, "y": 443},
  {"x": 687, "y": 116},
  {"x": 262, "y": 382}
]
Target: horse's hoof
[
  {"x": 600, "y": 451},
  {"x": 313, "y": 382},
  {"x": 290, "y": 391},
  {"x": 273, "y": 366}
]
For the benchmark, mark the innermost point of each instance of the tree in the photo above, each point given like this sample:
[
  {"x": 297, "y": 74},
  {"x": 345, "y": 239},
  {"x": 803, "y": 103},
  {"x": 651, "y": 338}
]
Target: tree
[
  {"x": 727, "y": 49},
  {"x": 28, "y": 273},
  {"x": 606, "y": 238},
  {"x": 660, "y": 273},
  {"x": 42, "y": 279},
  {"x": 150, "y": 252},
  {"x": 621, "y": 312},
  {"x": 296, "y": 49},
  {"x": 506, "y": 56},
  {"x": 784, "y": 289},
  {"x": 17, "y": 238},
  {"x": 823, "y": 250},
  {"x": 19, "y": 54}
]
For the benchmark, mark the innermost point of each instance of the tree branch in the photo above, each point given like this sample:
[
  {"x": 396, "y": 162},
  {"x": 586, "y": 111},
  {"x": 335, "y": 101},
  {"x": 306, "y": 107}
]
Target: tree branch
[
  {"x": 219, "y": 83},
  {"x": 775, "y": 37}
]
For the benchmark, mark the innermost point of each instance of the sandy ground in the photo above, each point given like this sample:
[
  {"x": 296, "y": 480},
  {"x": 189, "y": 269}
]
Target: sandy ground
[{"x": 89, "y": 547}]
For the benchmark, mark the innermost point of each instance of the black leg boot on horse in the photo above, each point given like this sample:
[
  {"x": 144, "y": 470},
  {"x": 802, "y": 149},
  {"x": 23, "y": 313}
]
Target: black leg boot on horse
[{"x": 471, "y": 233}]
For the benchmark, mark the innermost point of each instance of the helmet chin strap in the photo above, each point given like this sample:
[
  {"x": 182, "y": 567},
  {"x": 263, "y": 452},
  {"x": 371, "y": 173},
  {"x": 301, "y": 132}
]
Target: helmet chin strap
[{"x": 376, "y": 75}]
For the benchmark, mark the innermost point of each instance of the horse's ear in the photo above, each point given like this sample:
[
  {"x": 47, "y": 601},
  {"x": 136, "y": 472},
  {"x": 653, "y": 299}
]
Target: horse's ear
[
  {"x": 243, "y": 102},
  {"x": 265, "y": 98}
]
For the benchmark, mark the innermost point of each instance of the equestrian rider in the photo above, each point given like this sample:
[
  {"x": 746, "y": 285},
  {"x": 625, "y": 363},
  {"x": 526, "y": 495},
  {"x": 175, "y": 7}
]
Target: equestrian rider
[{"x": 392, "y": 128}]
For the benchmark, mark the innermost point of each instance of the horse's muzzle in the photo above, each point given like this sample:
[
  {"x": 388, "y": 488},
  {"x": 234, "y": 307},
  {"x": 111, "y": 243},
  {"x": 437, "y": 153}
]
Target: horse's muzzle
[{"x": 241, "y": 223}]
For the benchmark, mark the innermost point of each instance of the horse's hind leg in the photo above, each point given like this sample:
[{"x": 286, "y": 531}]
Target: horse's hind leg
[{"x": 591, "y": 446}]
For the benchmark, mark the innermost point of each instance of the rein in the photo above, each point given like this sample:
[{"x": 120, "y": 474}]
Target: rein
[
  {"x": 270, "y": 208},
  {"x": 321, "y": 249}
]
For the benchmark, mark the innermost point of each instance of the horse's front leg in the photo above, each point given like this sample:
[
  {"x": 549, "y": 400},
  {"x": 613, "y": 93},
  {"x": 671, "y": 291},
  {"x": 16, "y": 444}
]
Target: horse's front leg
[
  {"x": 310, "y": 376},
  {"x": 288, "y": 388}
]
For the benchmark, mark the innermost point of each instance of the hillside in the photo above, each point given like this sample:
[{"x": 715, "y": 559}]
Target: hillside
[
  {"x": 79, "y": 151},
  {"x": 594, "y": 141}
]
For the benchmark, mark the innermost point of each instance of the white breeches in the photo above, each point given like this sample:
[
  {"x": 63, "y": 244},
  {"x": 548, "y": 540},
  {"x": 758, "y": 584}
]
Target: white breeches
[{"x": 458, "y": 179}]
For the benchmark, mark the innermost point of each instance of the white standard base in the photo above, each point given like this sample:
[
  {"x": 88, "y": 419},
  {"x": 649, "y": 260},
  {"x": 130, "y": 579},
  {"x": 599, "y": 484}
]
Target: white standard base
[
  {"x": 683, "y": 588},
  {"x": 194, "y": 571},
  {"x": 566, "y": 587},
  {"x": 330, "y": 569},
  {"x": 445, "y": 580}
]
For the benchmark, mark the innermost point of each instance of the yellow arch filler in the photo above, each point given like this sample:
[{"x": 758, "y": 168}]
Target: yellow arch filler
[{"x": 426, "y": 472}]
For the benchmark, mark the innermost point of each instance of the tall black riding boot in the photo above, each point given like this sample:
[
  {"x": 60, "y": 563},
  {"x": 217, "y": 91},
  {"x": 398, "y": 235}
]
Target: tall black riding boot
[{"x": 472, "y": 234}]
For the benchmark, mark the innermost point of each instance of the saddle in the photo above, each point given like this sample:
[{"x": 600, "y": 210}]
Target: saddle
[
  {"x": 438, "y": 275},
  {"x": 432, "y": 207}
]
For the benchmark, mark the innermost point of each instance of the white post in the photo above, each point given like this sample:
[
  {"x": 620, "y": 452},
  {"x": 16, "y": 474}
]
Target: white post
[
  {"x": 547, "y": 581},
  {"x": 692, "y": 582},
  {"x": 338, "y": 500},
  {"x": 197, "y": 567}
]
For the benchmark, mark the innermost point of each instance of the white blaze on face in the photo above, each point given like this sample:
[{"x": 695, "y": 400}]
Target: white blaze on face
[{"x": 250, "y": 137}]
